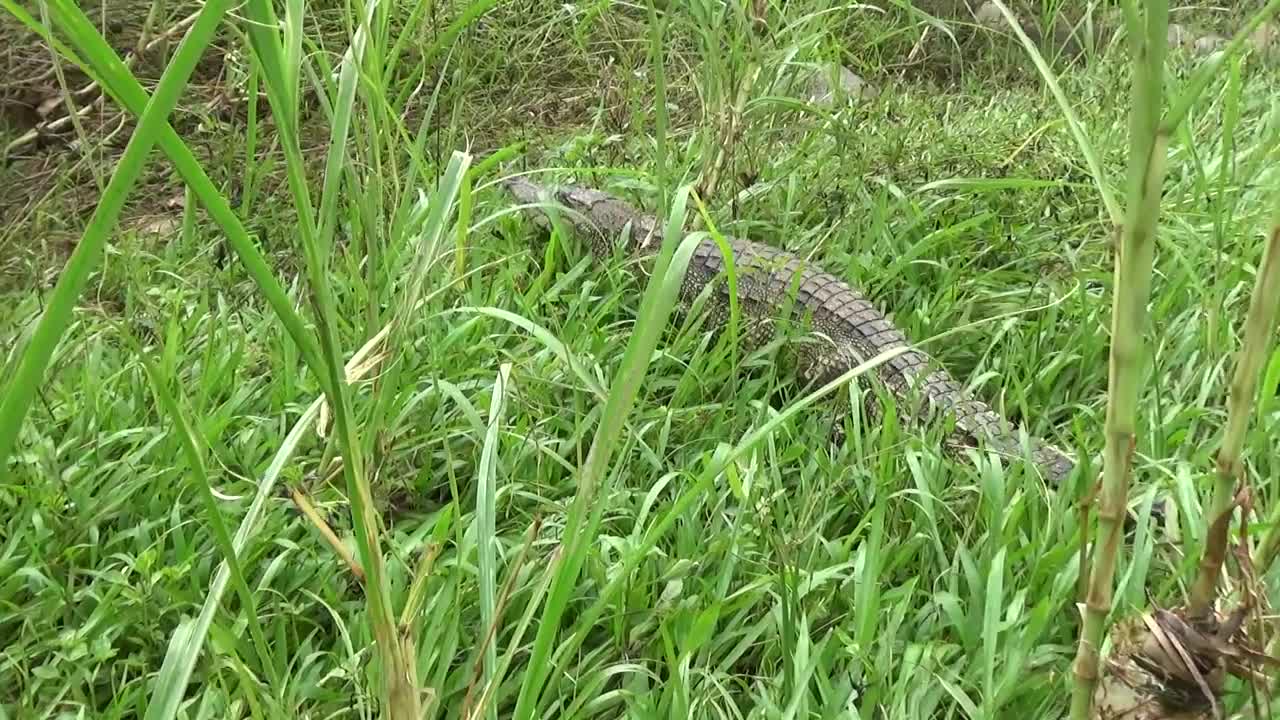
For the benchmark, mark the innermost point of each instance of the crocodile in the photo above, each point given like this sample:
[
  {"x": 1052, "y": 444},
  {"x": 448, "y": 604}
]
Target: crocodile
[{"x": 844, "y": 329}]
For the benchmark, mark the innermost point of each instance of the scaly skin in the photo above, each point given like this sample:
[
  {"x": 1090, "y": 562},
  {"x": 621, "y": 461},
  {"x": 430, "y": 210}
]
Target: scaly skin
[{"x": 845, "y": 328}]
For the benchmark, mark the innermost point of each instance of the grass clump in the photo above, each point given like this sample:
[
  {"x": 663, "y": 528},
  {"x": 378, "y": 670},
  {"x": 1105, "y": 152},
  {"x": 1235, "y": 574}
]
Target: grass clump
[{"x": 563, "y": 503}]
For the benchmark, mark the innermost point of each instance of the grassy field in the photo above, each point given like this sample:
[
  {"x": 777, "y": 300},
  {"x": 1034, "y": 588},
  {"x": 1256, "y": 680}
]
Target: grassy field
[{"x": 557, "y": 497}]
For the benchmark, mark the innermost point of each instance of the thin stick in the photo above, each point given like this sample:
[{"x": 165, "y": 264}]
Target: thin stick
[{"x": 304, "y": 505}]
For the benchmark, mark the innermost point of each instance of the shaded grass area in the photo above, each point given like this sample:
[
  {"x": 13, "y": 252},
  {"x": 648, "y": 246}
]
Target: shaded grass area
[{"x": 807, "y": 579}]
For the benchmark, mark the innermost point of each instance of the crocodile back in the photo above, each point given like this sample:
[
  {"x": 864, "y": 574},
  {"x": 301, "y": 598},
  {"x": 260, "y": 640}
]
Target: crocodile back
[
  {"x": 845, "y": 330},
  {"x": 842, "y": 328}
]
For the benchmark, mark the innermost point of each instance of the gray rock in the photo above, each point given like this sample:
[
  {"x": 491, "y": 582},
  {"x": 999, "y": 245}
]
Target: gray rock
[
  {"x": 1060, "y": 37},
  {"x": 989, "y": 16},
  {"x": 1209, "y": 44},
  {"x": 848, "y": 86}
]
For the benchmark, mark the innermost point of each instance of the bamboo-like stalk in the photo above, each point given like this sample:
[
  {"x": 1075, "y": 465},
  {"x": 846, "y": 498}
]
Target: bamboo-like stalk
[
  {"x": 1135, "y": 253},
  {"x": 1259, "y": 323}
]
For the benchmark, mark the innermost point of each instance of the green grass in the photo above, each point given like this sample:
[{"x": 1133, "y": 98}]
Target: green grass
[{"x": 569, "y": 504}]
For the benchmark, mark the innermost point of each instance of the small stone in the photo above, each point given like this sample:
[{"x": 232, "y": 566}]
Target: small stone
[
  {"x": 163, "y": 225},
  {"x": 1209, "y": 44},
  {"x": 1263, "y": 36},
  {"x": 851, "y": 86},
  {"x": 48, "y": 105},
  {"x": 989, "y": 16}
]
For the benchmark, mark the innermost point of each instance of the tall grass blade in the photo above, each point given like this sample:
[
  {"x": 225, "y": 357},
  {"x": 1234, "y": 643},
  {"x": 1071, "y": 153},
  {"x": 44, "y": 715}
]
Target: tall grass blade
[
  {"x": 659, "y": 300},
  {"x": 20, "y": 390},
  {"x": 535, "y": 601},
  {"x": 1259, "y": 328},
  {"x": 109, "y": 70},
  {"x": 1109, "y": 202},
  {"x": 184, "y": 647},
  {"x": 338, "y": 132},
  {"x": 195, "y": 451},
  {"x": 428, "y": 244},
  {"x": 660, "y": 114},
  {"x": 398, "y": 669},
  {"x": 486, "y": 532}
]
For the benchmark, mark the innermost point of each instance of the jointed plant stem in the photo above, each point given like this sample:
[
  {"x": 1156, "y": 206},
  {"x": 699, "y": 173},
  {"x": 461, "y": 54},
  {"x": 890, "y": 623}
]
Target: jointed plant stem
[
  {"x": 1259, "y": 325},
  {"x": 1128, "y": 322}
]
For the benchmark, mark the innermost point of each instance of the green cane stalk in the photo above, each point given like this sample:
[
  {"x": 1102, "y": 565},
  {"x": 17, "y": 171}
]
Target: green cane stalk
[
  {"x": 1133, "y": 269},
  {"x": 1259, "y": 325}
]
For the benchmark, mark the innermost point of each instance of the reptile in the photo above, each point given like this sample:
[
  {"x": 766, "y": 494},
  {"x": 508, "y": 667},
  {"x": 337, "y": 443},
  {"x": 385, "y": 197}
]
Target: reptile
[{"x": 844, "y": 328}]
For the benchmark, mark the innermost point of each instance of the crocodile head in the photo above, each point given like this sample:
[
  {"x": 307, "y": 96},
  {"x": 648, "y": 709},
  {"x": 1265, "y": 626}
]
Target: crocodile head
[{"x": 600, "y": 215}]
